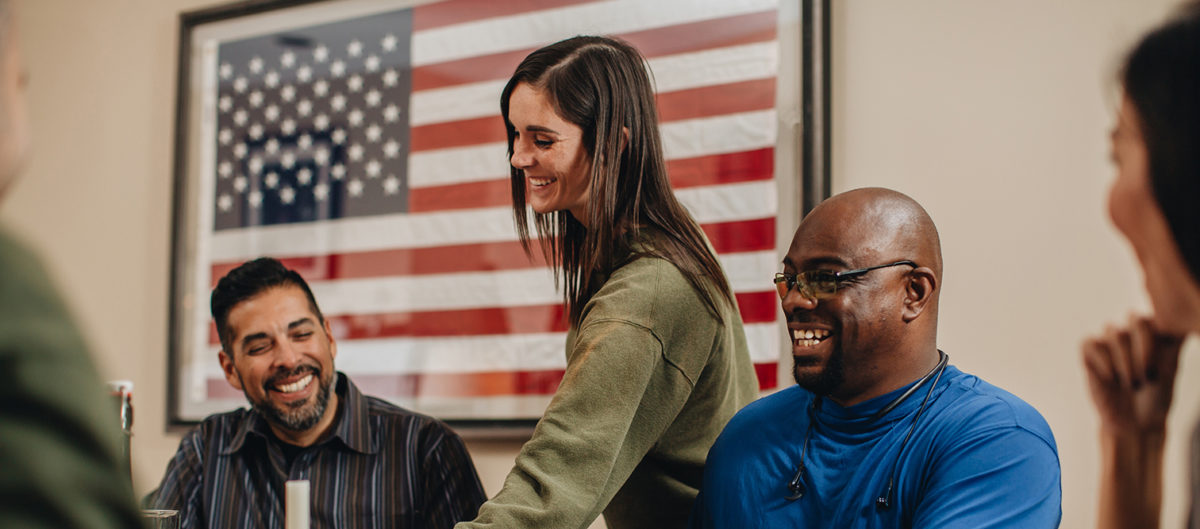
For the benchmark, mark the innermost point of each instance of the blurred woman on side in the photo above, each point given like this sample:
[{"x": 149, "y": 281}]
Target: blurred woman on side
[{"x": 1155, "y": 203}]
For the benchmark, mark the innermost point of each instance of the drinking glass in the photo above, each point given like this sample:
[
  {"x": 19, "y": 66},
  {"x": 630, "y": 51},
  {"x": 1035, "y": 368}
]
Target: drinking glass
[{"x": 161, "y": 518}]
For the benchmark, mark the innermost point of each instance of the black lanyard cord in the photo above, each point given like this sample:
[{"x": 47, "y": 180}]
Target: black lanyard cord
[
  {"x": 796, "y": 486},
  {"x": 885, "y": 501}
]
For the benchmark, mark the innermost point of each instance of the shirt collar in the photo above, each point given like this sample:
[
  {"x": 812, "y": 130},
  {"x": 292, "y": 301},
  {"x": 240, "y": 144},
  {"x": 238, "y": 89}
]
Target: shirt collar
[
  {"x": 859, "y": 419},
  {"x": 352, "y": 427}
]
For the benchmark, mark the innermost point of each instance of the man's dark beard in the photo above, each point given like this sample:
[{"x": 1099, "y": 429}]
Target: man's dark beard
[
  {"x": 298, "y": 416},
  {"x": 827, "y": 380}
]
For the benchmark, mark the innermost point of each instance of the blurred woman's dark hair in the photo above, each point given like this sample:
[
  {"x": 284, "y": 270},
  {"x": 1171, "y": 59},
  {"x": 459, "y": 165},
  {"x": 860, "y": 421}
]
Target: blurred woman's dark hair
[{"x": 1161, "y": 79}]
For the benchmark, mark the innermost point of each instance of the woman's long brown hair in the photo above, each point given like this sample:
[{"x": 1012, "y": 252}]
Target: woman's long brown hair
[{"x": 602, "y": 85}]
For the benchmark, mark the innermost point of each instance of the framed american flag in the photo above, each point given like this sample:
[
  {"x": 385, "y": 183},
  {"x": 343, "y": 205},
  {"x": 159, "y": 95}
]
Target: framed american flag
[{"x": 360, "y": 142}]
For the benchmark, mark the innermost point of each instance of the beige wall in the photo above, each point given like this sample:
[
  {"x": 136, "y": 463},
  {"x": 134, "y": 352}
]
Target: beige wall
[{"x": 992, "y": 114}]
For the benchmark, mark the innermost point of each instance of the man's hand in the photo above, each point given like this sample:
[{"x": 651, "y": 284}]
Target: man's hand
[{"x": 1131, "y": 374}]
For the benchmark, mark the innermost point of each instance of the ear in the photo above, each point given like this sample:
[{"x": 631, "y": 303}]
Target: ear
[
  {"x": 624, "y": 138},
  {"x": 332, "y": 342},
  {"x": 231, "y": 374},
  {"x": 919, "y": 293}
]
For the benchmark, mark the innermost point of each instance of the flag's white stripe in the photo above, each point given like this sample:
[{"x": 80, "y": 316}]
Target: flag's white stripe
[
  {"x": 495, "y": 35},
  {"x": 491, "y": 407},
  {"x": 747, "y": 272},
  {"x": 468, "y": 101},
  {"x": 730, "y": 202},
  {"x": 719, "y": 135},
  {"x": 759, "y": 60},
  {"x": 365, "y": 234},
  {"x": 458, "y": 165},
  {"x": 484, "y": 354},
  {"x": 709, "y": 204},
  {"x": 762, "y": 339},
  {"x": 681, "y": 139},
  {"x": 465, "y": 290},
  {"x": 476, "y": 354}
]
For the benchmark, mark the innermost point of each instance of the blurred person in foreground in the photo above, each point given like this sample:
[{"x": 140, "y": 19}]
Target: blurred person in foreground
[
  {"x": 879, "y": 431},
  {"x": 656, "y": 354},
  {"x": 59, "y": 440},
  {"x": 1155, "y": 203},
  {"x": 369, "y": 463}
]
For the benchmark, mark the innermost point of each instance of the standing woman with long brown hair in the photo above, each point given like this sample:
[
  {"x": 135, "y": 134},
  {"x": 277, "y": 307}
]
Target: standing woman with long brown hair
[{"x": 656, "y": 354}]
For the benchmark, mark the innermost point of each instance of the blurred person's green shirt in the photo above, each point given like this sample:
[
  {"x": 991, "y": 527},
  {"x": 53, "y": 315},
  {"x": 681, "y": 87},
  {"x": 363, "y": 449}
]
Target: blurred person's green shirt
[{"x": 59, "y": 437}]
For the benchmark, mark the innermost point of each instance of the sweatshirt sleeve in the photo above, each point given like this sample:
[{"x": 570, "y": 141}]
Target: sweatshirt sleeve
[{"x": 616, "y": 398}]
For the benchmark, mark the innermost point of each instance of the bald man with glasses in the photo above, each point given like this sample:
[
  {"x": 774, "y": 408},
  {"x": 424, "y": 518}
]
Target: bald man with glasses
[{"x": 880, "y": 431}]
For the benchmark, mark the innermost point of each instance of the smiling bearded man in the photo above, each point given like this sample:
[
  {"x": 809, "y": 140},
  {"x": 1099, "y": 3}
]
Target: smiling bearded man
[
  {"x": 277, "y": 376},
  {"x": 369, "y": 463},
  {"x": 880, "y": 431}
]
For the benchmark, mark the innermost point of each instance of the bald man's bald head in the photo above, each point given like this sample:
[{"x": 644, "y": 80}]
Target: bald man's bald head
[
  {"x": 875, "y": 224},
  {"x": 875, "y": 329}
]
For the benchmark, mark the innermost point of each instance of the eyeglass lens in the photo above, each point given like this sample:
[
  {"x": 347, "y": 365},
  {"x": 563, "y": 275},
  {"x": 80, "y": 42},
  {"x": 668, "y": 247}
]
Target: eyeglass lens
[{"x": 812, "y": 284}]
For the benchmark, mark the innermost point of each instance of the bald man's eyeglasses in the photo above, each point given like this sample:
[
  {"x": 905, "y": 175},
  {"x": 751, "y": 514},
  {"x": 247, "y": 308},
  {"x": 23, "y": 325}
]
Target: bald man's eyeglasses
[{"x": 819, "y": 284}]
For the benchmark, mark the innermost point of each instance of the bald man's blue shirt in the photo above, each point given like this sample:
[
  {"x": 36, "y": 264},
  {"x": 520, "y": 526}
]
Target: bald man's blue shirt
[{"x": 978, "y": 458}]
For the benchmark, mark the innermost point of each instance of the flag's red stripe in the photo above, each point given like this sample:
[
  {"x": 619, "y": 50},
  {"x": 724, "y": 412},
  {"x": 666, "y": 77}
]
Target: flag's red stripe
[
  {"x": 705, "y": 34},
  {"x": 702, "y": 102},
  {"x": 480, "y": 257},
  {"x": 461, "y": 385},
  {"x": 493, "y": 384},
  {"x": 755, "y": 307},
  {"x": 758, "y": 307},
  {"x": 708, "y": 101},
  {"x": 459, "y": 133},
  {"x": 451, "y": 323},
  {"x": 445, "y": 323},
  {"x": 450, "y": 12},
  {"x": 466, "y": 71},
  {"x": 488, "y": 384},
  {"x": 468, "y": 195},
  {"x": 727, "y": 237},
  {"x": 656, "y": 42},
  {"x": 768, "y": 375},
  {"x": 742, "y": 235},
  {"x": 728, "y": 168}
]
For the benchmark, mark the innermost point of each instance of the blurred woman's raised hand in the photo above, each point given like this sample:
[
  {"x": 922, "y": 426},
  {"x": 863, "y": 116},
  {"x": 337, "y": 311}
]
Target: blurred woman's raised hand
[{"x": 1131, "y": 373}]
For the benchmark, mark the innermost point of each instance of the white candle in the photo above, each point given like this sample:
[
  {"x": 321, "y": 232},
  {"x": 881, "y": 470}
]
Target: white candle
[{"x": 296, "y": 505}]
